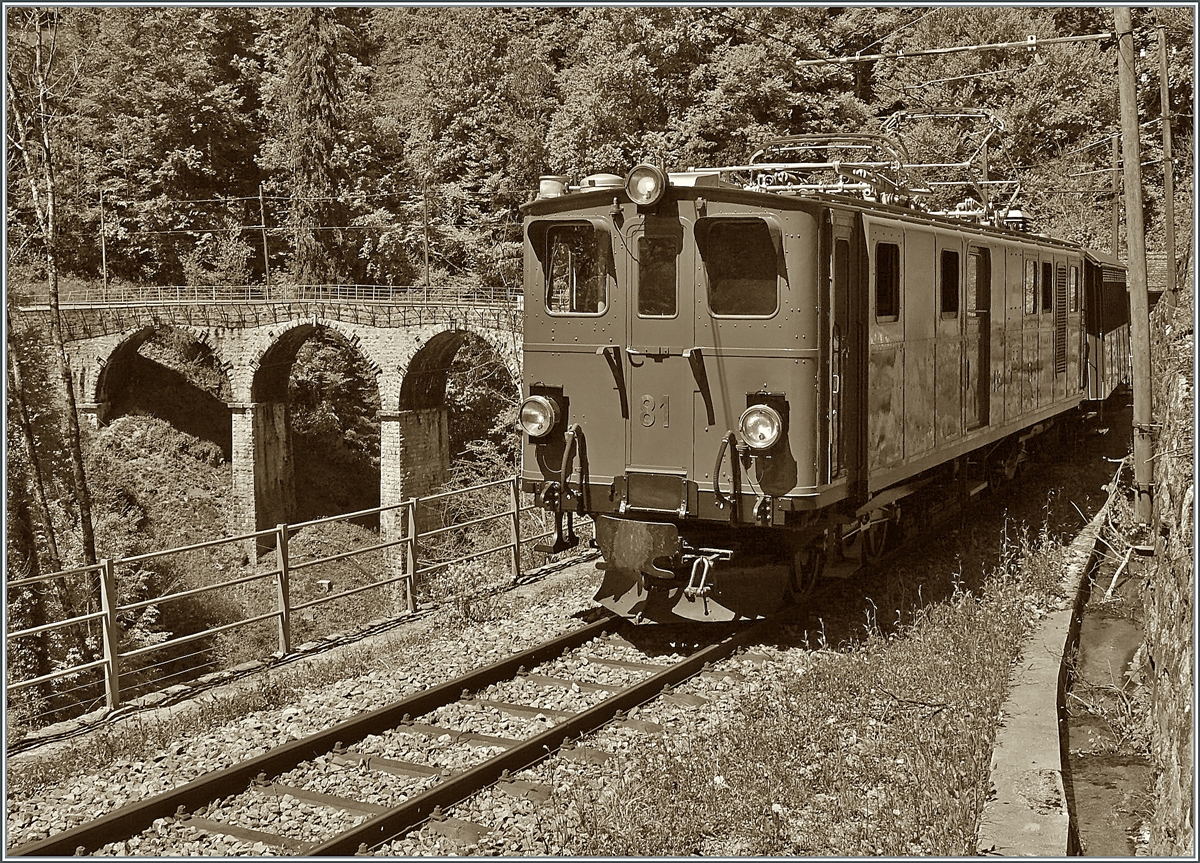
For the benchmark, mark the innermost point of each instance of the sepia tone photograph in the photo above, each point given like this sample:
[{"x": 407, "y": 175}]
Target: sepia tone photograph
[{"x": 599, "y": 430}]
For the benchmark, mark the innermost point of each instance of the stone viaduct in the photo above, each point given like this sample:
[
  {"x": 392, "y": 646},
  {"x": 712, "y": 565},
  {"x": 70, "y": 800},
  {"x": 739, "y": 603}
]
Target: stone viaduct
[{"x": 408, "y": 346}]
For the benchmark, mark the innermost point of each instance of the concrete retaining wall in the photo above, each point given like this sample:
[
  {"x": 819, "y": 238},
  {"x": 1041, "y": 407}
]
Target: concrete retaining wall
[{"x": 1028, "y": 815}]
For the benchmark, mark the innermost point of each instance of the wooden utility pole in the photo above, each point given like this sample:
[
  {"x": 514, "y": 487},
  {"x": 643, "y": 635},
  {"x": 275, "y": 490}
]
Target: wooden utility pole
[
  {"x": 1135, "y": 240},
  {"x": 1168, "y": 170},
  {"x": 103, "y": 249},
  {"x": 1114, "y": 247},
  {"x": 425, "y": 217},
  {"x": 262, "y": 219}
]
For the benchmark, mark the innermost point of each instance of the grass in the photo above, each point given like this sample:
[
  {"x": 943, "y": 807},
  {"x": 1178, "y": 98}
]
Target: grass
[{"x": 882, "y": 747}]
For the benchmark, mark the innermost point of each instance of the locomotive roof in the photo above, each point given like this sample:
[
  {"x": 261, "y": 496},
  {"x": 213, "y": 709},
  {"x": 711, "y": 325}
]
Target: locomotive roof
[{"x": 700, "y": 184}]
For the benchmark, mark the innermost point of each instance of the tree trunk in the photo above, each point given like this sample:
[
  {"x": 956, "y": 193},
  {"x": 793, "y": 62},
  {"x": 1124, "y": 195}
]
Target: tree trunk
[
  {"x": 16, "y": 390},
  {"x": 33, "y": 118}
]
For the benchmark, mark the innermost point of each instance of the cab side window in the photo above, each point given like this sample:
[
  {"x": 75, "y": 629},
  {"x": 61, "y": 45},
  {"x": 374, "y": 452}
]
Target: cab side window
[
  {"x": 887, "y": 281},
  {"x": 1047, "y": 287},
  {"x": 949, "y": 279},
  {"x": 979, "y": 280},
  {"x": 577, "y": 271}
]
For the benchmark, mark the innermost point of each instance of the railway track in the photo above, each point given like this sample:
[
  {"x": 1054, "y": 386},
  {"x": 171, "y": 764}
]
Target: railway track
[{"x": 395, "y": 796}]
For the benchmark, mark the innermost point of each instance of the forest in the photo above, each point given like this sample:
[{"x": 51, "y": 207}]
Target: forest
[
  {"x": 337, "y": 145},
  {"x": 304, "y": 145}
]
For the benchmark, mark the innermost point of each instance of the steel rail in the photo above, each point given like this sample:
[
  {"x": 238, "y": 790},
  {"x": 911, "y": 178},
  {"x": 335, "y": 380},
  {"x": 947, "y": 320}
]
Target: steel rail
[
  {"x": 416, "y": 810},
  {"x": 195, "y": 591},
  {"x": 342, "y": 555},
  {"x": 129, "y": 820},
  {"x": 46, "y": 627},
  {"x": 196, "y": 636}
]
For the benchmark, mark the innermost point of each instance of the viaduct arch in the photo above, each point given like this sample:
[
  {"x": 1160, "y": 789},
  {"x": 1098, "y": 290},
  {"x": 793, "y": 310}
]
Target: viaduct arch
[{"x": 408, "y": 351}]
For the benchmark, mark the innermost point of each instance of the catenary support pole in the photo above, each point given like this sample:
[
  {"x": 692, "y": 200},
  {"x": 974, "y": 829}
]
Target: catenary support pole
[{"x": 1135, "y": 241}]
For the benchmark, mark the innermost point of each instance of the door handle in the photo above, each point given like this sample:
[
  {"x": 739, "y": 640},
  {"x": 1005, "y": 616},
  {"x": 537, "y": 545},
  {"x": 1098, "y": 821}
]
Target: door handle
[{"x": 653, "y": 353}]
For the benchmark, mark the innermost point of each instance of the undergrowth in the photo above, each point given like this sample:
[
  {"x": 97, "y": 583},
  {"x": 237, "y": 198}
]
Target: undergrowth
[{"x": 879, "y": 749}]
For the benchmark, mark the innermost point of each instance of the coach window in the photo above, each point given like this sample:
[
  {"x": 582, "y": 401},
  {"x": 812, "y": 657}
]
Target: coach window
[
  {"x": 949, "y": 273},
  {"x": 887, "y": 282},
  {"x": 657, "y": 284},
  {"x": 1047, "y": 287},
  {"x": 1073, "y": 287},
  {"x": 577, "y": 271},
  {"x": 1031, "y": 287},
  {"x": 742, "y": 265},
  {"x": 979, "y": 280}
]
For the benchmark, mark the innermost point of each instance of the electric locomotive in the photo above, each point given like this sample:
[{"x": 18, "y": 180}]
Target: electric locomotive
[{"x": 748, "y": 376}]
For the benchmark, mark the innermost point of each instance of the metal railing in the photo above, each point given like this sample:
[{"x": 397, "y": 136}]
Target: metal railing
[
  {"x": 126, "y": 294},
  {"x": 399, "y": 519}
]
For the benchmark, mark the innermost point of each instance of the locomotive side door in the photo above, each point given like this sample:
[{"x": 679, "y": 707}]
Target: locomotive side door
[
  {"x": 661, "y": 329},
  {"x": 977, "y": 326},
  {"x": 844, "y": 345}
]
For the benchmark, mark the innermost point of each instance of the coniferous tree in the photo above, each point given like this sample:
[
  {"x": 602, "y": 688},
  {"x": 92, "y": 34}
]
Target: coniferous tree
[{"x": 312, "y": 85}]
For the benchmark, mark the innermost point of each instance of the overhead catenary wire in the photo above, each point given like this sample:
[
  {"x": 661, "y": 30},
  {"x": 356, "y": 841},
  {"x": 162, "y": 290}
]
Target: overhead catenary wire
[
  {"x": 912, "y": 23},
  {"x": 1109, "y": 169},
  {"x": 815, "y": 59},
  {"x": 959, "y": 78},
  {"x": 305, "y": 198},
  {"x": 1032, "y": 42},
  {"x": 286, "y": 231},
  {"x": 1100, "y": 142}
]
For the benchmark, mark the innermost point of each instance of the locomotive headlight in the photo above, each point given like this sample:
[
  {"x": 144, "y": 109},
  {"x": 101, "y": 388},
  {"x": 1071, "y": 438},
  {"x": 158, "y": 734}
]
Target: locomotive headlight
[
  {"x": 645, "y": 184},
  {"x": 538, "y": 416},
  {"x": 761, "y": 426}
]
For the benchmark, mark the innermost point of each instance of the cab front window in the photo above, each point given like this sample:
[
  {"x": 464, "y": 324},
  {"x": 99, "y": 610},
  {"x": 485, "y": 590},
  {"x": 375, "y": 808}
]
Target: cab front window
[
  {"x": 742, "y": 265},
  {"x": 657, "y": 280}
]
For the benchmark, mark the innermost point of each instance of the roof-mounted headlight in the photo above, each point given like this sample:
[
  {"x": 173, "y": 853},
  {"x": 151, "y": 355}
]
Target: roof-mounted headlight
[
  {"x": 645, "y": 185},
  {"x": 760, "y": 426},
  {"x": 538, "y": 416}
]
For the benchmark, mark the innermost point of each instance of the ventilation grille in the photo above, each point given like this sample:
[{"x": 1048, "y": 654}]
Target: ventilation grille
[{"x": 1060, "y": 320}]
